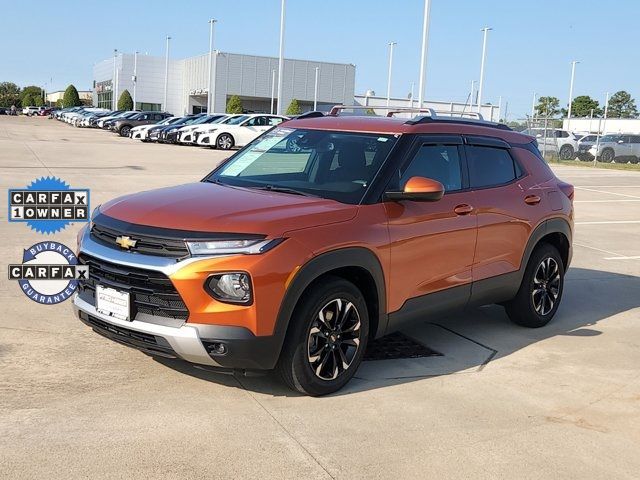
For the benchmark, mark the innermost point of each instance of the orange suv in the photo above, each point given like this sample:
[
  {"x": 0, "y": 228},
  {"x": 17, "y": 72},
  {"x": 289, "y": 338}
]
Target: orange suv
[{"x": 325, "y": 233}]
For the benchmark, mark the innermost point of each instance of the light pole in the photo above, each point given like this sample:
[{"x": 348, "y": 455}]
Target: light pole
[
  {"x": 391, "y": 45},
  {"x": 135, "y": 77},
  {"x": 423, "y": 54},
  {"x": 113, "y": 81},
  {"x": 473, "y": 89},
  {"x": 166, "y": 75},
  {"x": 315, "y": 92},
  {"x": 413, "y": 84},
  {"x": 210, "y": 99},
  {"x": 484, "y": 56},
  {"x": 273, "y": 86},
  {"x": 533, "y": 105},
  {"x": 573, "y": 74},
  {"x": 281, "y": 59},
  {"x": 602, "y": 130}
]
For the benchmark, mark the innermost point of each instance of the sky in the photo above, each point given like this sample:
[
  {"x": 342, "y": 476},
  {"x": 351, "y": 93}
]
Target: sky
[{"x": 529, "y": 50}]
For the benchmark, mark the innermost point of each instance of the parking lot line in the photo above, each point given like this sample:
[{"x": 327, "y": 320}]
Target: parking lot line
[
  {"x": 608, "y": 201},
  {"x": 609, "y": 222},
  {"x": 618, "y": 255},
  {"x": 636, "y": 257},
  {"x": 610, "y": 193}
]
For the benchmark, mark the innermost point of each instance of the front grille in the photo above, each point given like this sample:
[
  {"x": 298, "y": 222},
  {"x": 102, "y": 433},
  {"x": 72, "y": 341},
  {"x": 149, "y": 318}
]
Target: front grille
[
  {"x": 151, "y": 292},
  {"x": 143, "y": 341},
  {"x": 162, "y": 247}
]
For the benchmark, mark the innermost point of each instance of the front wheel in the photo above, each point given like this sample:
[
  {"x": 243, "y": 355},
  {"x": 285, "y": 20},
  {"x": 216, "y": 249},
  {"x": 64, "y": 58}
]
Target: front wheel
[
  {"x": 540, "y": 292},
  {"x": 224, "y": 142},
  {"x": 327, "y": 338},
  {"x": 124, "y": 131}
]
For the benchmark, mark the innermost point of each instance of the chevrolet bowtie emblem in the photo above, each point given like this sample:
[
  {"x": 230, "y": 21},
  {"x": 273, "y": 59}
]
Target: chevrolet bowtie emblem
[{"x": 126, "y": 242}]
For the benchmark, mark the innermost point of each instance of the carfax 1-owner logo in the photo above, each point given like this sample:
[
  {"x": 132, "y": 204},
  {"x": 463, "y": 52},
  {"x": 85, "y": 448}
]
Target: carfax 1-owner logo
[
  {"x": 49, "y": 272},
  {"x": 48, "y": 205}
]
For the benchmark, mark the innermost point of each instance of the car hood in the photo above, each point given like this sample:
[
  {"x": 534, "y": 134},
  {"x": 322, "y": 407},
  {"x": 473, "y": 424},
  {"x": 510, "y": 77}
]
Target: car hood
[{"x": 208, "y": 207}]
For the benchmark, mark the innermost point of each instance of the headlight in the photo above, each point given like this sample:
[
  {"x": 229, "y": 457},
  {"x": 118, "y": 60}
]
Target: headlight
[
  {"x": 228, "y": 247},
  {"x": 234, "y": 287},
  {"x": 211, "y": 130}
]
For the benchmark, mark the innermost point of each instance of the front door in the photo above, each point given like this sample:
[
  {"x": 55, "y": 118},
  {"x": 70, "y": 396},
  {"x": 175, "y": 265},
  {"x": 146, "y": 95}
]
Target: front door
[{"x": 432, "y": 243}]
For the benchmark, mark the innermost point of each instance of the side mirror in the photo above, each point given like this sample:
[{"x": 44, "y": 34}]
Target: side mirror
[{"x": 418, "y": 189}]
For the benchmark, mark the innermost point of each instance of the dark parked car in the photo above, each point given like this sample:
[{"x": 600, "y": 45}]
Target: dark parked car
[
  {"x": 156, "y": 134},
  {"x": 124, "y": 126}
]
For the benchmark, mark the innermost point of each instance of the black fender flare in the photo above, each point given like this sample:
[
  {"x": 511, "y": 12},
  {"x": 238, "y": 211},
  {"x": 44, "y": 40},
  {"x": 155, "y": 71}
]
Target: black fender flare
[
  {"x": 344, "y": 257},
  {"x": 551, "y": 225}
]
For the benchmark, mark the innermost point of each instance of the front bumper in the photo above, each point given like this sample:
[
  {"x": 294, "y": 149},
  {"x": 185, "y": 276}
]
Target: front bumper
[{"x": 190, "y": 341}]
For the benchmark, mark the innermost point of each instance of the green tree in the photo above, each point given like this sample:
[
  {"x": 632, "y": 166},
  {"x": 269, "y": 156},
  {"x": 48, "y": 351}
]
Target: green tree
[
  {"x": 38, "y": 102},
  {"x": 294, "y": 108},
  {"x": 125, "y": 102},
  {"x": 59, "y": 103},
  {"x": 621, "y": 105},
  {"x": 548, "y": 106},
  {"x": 234, "y": 105},
  {"x": 32, "y": 91},
  {"x": 71, "y": 97},
  {"x": 9, "y": 94},
  {"x": 370, "y": 111},
  {"x": 27, "y": 101},
  {"x": 582, "y": 106}
]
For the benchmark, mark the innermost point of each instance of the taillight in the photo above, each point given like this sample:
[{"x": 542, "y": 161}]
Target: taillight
[{"x": 567, "y": 189}]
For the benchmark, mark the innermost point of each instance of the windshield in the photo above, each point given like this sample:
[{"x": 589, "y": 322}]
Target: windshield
[
  {"x": 237, "y": 120},
  {"x": 334, "y": 165},
  {"x": 609, "y": 138},
  {"x": 203, "y": 119}
]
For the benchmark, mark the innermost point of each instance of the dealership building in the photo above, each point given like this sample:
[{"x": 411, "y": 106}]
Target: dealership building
[{"x": 253, "y": 78}]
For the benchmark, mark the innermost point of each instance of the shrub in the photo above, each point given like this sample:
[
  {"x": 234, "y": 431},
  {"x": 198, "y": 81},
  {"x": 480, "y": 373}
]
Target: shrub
[
  {"x": 37, "y": 101},
  {"x": 294, "y": 108},
  {"x": 125, "y": 102},
  {"x": 71, "y": 97},
  {"x": 234, "y": 105},
  {"x": 27, "y": 101}
]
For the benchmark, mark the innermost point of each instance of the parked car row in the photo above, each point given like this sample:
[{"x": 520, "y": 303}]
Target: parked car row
[
  {"x": 223, "y": 131},
  {"x": 618, "y": 148}
]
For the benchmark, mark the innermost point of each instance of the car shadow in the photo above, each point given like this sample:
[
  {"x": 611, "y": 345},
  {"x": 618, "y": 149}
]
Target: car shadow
[{"x": 468, "y": 342}]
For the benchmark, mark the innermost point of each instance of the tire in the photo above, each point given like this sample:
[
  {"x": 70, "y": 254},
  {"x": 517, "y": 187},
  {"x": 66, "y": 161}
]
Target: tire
[
  {"x": 567, "y": 153},
  {"x": 607, "y": 155},
  {"x": 634, "y": 160},
  {"x": 540, "y": 292},
  {"x": 313, "y": 357},
  {"x": 124, "y": 131},
  {"x": 224, "y": 142},
  {"x": 621, "y": 160}
]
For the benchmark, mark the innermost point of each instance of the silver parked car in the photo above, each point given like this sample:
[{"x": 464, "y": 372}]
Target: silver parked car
[
  {"x": 584, "y": 144},
  {"x": 621, "y": 148}
]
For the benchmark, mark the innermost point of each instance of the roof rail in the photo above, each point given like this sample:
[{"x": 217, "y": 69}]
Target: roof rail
[{"x": 336, "y": 109}]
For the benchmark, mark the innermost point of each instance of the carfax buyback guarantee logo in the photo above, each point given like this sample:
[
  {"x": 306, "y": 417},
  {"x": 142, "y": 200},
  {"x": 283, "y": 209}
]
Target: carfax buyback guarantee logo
[
  {"x": 48, "y": 205},
  {"x": 49, "y": 272}
]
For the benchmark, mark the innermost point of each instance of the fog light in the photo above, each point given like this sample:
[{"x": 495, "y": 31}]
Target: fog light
[
  {"x": 215, "y": 348},
  {"x": 230, "y": 287}
]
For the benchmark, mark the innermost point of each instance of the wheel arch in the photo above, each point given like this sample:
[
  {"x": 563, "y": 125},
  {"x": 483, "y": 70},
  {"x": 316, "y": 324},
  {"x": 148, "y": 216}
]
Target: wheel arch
[
  {"x": 358, "y": 265},
  {"x": 555, "y": 231}
]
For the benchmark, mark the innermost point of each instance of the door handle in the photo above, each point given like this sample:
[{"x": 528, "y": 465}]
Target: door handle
[
  {"x": 463, "y": 209},
  {"x": 532, "y": 199}
]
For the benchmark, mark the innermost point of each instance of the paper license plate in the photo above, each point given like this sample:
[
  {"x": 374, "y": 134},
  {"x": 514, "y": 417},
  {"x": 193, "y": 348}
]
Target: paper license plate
[{"x": 112, "y": 302}]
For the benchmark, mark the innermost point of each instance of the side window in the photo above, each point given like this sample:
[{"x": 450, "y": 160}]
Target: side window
[
  {"x": 252, "y": 122},
  {"x": 489, "y": 166},
  {"x": 274, "y": 121},
  {"x": 439, "y": 162}
]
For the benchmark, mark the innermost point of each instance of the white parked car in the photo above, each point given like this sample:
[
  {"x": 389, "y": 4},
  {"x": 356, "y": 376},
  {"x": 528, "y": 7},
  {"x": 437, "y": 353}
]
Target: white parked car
[
  {"x": 238, "y": 131},
  {"x": 30, "y": 111},
  {"x": 556, "y": 139},
  {"x": 140, "y": 132},
  {"x": 187, "y": 134}
]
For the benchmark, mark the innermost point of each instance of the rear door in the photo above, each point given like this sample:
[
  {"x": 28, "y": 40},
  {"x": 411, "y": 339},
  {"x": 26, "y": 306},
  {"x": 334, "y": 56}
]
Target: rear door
[{"x": 505, "y": 201}]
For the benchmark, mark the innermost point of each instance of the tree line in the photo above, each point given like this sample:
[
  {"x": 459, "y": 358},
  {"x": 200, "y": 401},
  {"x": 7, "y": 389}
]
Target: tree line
[
  {"x": 621, "y": 105},
  {"x": 34, "y": 96}
]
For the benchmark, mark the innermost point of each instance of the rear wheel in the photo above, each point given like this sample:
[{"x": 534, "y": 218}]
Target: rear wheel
[
  {"x": 224, "y": 142},
  {"x": 607, "y": 155},
  {"x": 633, "y": 160},
  {"x": 124, "y": 131},
  {"x": 567, "y": 152},
  {"x": 622, "y": 160},
  {"x": 327, "y": 338},
  {"x": 540, "y": 292}
]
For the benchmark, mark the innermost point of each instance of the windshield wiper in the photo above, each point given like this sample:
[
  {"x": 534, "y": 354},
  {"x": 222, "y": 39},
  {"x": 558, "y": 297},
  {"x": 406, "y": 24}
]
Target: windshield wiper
[{"x": 276, "y": 188}]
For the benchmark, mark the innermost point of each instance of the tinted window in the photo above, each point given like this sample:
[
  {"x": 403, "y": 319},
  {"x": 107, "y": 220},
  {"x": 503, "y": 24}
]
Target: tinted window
[
  {"x": 489, "y": 166},
  {"x": 635, "y": 138},
  {"x": 439, "y": 162}
]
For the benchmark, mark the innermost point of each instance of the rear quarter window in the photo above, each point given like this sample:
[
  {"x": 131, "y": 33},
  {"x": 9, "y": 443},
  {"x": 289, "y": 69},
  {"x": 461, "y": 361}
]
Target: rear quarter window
[{"x": 490, "y": 166}]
